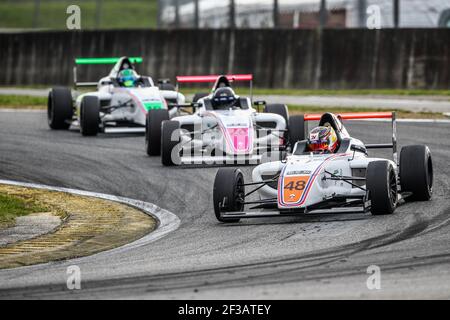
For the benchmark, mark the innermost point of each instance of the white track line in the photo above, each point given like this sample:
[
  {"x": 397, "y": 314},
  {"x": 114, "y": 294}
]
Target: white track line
[{"x": 167, "y": 221}]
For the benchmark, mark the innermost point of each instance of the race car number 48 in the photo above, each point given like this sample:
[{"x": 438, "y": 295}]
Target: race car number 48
[{"x": 293, "y": 188}]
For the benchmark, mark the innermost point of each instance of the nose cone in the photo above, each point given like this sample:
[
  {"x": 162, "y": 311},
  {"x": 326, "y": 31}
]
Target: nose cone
[{"x": 239, "y": 138}]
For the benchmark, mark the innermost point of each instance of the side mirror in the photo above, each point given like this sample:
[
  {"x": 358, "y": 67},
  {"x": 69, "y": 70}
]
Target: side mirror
[
  {"x": 106, "y": 83},
  {"x": 361, "y": 149},
  {"x": 258, "y": 104},
  {"x": 162, "y": 81},
  {"x": 195, "y": 105}
]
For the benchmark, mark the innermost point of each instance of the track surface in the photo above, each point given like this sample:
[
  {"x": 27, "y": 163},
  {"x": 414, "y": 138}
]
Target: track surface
[{"x": 322, "y": 256}]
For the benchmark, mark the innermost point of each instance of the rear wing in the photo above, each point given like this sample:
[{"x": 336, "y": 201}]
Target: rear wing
[
  {"x": 97, "y": 61},
  {"x": 215, "y": 78},
  {"x": 366, "y": 116}
]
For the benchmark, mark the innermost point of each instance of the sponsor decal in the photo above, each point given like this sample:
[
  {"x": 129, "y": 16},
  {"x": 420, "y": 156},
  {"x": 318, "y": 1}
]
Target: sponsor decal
[
  {"x": 153, "y": 105},
  {"x": 284, "y": 193},
  {"x": 298, "y": 172}
]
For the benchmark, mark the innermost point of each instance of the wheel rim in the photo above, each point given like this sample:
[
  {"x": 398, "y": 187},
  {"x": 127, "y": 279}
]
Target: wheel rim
[
  {"x": 392, "y": 188},
  {"x": 147, "y": 132},
  {"x": 239, "y": 193},
  {"x": 430, "y": 175},
  {"x": 50, "y": 110}
]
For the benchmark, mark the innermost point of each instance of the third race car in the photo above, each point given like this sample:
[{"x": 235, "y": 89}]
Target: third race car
[{"x": 120, "y": 103}]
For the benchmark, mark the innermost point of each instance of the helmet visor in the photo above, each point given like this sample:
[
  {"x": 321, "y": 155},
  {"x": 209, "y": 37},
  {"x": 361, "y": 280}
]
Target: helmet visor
[{"x": 318, "y": 146}]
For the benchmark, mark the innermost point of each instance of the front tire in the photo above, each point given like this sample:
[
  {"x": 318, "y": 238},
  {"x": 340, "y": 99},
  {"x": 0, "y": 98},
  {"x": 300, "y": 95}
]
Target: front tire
[
  {"x": 59, "y": 108},
  {"x": 154, "y": 121},
  {"x": 381, "y": 182},
  {"x": 228, "y": 193},
  {"x": 90, "y": 116},
  {"x": 169, "y": 131},
  {"x": 416, "y": 172}
]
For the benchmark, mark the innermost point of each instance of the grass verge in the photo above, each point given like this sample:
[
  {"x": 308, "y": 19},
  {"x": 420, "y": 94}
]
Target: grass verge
[
  {"x": 355, "y": 92},
  {"x": 29, "y": 102},
  {"x": 22, "y": 102},
  {"x": 52, "y": 14},
  {"x": 12, "y": 207},
  {"x": 325, "y": 92},
  {"x": 402, "y": 114}
]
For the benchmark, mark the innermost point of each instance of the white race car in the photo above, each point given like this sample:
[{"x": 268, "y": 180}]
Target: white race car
[
  {"x": 223, "y": 128},
  {"x": 120, "y": 103},
  {"x": 346, "y": 180}
]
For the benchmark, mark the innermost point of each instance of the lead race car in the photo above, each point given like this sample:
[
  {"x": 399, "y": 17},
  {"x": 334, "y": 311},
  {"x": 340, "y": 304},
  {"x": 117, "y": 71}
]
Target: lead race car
[
  {"x": 120, "y": 103},
  {"x": 330, "y": 171},
  {"x": 223, "y": 128}
]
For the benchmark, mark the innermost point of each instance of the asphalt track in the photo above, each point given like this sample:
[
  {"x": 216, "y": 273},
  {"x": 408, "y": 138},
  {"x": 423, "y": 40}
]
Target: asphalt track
[{"x": 321, "y": 256}]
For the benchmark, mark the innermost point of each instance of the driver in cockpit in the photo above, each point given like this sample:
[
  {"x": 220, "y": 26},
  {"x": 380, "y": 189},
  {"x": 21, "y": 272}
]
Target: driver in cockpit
[
  {"x": 127, "y": 78},
  {"x": 224, "y": 98}
]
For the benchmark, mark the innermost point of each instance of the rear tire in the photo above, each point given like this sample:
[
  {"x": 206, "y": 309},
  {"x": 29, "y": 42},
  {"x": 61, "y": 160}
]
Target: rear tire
[
  {"x": 279, "y": 109},
  {"x": 416, "y": 172},
  {"x": 166, "y": 87},
  {"x": 381, "y": 182},
  {"x": 59, "y": 108},
  {"x": 153, "y": 130},
  {"x": 169, "y": 129},
  {"x": 228, "y": 193},
  {"x": 90, "y": 116},
  {"x": 296, "y": 129}
]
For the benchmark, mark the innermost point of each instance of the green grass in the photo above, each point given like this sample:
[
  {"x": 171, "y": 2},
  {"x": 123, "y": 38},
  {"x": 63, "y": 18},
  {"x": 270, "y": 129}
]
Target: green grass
[
  {"x": 114, "y": 14},
  {"x": 20, "y": 102},
  {"x": 351, "y": 92},
  {"x": 12, "y": 101},
  {"x": 326, "y": 92},
  {"x": 405, "y": 114},
  {"x": 12, "y": 207}
]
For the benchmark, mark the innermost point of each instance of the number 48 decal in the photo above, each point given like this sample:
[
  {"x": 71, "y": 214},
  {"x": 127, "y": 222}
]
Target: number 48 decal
[
  {"x": 296, "y": 185},
  {"x": 293, "y": 188}
]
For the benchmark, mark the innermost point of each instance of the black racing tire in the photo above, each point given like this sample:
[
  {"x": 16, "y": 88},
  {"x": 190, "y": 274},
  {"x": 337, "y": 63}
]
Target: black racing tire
[
  {"x": 154, "y": 120},
  {"x": 166, "y": 86},
  {"x": 59, "y": 108},
  {"x": 381, "y": 182},
  {"x": 199, "y": 95},
  {"x": 279, "y": 109},
  {"x": 170, "y": 130},
  {"x": 89, "y": 116},
  {"x": 416, "y": 172},
  {"x": 228, "y": 188},
  {"x": 296, "y": 129}
]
